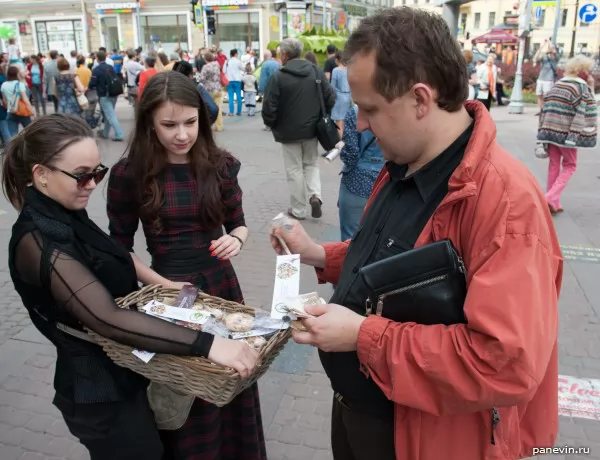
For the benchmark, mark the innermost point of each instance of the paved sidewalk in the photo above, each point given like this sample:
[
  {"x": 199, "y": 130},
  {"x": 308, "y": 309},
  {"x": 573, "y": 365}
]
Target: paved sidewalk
[{"x": 296, "y": 397}]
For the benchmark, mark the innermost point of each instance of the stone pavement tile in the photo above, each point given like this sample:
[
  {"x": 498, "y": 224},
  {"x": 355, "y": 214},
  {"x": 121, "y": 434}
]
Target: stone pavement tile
[{"x": 10, "y": 453}]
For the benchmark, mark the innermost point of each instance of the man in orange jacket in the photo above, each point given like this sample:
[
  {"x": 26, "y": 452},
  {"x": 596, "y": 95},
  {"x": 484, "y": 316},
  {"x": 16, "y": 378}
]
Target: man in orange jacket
[{"x": 486, "y": 389}]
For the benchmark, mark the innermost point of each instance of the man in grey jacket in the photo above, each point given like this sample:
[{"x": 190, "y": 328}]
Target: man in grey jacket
[
  {"x": 51, "y": 71},
  {"x": 291, "y": 108}
]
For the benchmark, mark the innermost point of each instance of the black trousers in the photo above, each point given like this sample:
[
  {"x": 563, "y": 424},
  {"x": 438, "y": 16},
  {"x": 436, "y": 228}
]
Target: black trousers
[
  {"x": 115, "y": 431},
  {"x": 359, "y": 436}
]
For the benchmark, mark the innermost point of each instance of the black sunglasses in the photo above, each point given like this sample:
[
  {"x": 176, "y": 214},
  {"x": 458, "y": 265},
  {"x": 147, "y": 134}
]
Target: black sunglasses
[{"x": 84, "y": 178}]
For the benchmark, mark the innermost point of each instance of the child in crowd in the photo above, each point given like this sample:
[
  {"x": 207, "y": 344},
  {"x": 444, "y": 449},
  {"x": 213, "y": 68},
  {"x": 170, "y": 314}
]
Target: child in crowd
[{"x": 250, "y": 90}]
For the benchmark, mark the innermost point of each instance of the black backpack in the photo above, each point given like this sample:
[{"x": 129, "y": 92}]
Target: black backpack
[{"x": 114, "y": 85}]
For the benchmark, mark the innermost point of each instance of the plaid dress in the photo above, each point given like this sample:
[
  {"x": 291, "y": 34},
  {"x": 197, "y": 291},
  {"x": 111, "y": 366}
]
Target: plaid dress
[{"x": 180, "y": 253}]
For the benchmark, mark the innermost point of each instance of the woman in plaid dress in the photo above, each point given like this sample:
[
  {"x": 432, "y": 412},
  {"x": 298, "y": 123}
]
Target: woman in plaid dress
[{"x": 184, "y": 189}]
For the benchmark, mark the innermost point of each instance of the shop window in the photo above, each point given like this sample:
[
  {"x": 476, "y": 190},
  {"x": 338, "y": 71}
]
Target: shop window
[
  {"x": 240, "y": 30},
  {"x": 564, "y": 16},
  {"x": 491, "y": 20},
  {"x": 542, "y": 19},
  {"x": 62, "y": 36},
  {"x": 165, "y": 33},
  {"x": 477, "y": 22},
  {"x": 536, "y": 47},
  {"x": 110, "y": 32}
]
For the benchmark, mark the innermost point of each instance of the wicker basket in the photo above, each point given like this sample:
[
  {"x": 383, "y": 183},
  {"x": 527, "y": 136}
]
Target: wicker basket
[{"x": 190, "y": 375}]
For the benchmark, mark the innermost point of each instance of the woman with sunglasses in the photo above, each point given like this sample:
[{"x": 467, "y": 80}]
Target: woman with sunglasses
[
  {"x": 68, "y": 273},
  {"x": 184, "y": 190}
]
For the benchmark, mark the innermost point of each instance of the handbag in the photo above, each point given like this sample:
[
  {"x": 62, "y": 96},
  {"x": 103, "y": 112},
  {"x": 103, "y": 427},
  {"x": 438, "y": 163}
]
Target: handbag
[
  {"x": 224, "y": 80},
  {"x": 82, "y": 100},
  {"x": 18, "y": 106},
  {"x": 425, "y": 285},
  {"x": 327, "y": 132},
  {"x": 171, "y": 409}
]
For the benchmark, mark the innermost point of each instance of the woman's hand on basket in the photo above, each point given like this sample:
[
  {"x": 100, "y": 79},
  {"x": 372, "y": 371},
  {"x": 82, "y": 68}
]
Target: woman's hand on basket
[
  {"x": 176, "y": 284},
  {"x": 232, "y": 353}
]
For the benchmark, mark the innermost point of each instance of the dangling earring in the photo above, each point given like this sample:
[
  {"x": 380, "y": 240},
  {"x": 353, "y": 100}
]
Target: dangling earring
[{"x": 44, "y": 184}]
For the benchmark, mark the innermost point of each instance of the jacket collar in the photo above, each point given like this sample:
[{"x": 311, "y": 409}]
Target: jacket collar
[
  {"x": 462, "y": 183},
  {"x": 83, "y": 228}
]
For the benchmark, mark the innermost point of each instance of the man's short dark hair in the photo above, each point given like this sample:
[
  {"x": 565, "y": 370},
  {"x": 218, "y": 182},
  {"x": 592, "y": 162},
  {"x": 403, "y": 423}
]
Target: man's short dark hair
[
  {"x": 73, "y": 53},
  {"x": 53, "y": 54},
  {"x": 331, "y": 49},
  {"x": 101, "y": 56},
  {"x": 102, "y": 48},
  {"x": 233, "y": 53},
  {"x": 412, "y": 46},
  {"x": 150, "y": 61},
  {"x": 115, "y": 50}
]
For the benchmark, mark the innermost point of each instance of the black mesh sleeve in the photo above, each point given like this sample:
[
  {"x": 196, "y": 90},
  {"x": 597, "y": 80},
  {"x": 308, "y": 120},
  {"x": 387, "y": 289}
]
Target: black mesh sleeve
[{"x": 75, "y": 289}]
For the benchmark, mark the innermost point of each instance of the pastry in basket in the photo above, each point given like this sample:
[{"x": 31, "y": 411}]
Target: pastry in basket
[
  {"x": 257, "y": 342},
  {"x": 239, "y": 322},
  {"x": 215, "y": 313}
]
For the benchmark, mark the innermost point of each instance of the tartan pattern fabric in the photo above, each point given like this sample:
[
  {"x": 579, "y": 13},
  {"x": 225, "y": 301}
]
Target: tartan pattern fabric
[
  {"x": 180, "y": 253},
  {"x": 569, "y": 115}
]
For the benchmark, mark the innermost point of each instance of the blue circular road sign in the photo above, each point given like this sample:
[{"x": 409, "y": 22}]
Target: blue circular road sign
[{"x": 588, "y": 13}]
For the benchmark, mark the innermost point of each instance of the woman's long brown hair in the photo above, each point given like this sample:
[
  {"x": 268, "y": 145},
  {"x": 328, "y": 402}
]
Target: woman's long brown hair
[{"x": 147, "y": 158}]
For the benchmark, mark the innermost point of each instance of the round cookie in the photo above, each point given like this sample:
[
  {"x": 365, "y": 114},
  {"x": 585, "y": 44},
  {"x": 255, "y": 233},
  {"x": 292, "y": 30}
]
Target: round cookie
[{"x": 239, "y": 322}]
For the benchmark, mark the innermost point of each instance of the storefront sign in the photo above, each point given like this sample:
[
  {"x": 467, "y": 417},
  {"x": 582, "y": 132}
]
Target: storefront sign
[
  {"x": 217, "y": 3},
  {"x": 59, "y": 26},
  {"x": 107, "y": 8},
  {"x": 198, "y": 16},
  {"x": 579, "y": 397},
  {"x": 355, "y": 10}
]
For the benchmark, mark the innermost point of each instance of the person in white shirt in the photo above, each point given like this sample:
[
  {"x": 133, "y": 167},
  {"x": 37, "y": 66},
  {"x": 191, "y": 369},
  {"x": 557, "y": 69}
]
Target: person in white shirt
[
  {"x": 73, "y": 62},
  {"x": 246, "y": 57},
  {"x": 132, "y": 69},
  {"x": 234, "y": 71},
  {"x": 109, "y": 61},
  {"x": 14, "y": 53}
]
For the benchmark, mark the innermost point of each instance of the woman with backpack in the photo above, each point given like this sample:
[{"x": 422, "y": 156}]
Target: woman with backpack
[{"x": 568, "y": 121}]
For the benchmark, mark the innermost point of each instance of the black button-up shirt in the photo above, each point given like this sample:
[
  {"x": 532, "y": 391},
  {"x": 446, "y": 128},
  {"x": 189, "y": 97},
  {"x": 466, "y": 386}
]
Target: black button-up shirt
[{"x": 392, "y": 225}]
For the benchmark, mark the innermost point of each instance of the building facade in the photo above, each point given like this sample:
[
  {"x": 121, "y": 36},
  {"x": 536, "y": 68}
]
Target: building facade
[
  {"x": 480, "y": 16},
  {"x": 84, "y": 26}
]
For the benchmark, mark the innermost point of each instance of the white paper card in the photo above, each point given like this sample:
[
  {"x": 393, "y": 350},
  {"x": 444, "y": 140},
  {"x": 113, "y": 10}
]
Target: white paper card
[
  {"x": 162, "y": 310},
  {"x": 483, "y": 94},
  {"x": 145, "y": 356},
  {"x": 287, "y": 283}
]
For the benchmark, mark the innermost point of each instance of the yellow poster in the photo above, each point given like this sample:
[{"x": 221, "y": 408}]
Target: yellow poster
[{"x": 274, "y": 20}]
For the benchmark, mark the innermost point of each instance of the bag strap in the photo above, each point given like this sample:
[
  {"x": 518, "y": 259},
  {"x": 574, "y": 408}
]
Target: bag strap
[{"x": 320, "y": 91}]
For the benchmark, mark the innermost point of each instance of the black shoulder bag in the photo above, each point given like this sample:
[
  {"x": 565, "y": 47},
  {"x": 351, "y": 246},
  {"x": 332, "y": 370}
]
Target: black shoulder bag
[{"x": 327, "y": 132}]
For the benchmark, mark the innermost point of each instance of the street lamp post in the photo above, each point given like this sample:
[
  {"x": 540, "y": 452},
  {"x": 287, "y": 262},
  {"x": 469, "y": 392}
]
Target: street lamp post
[{"x": 516, "y": 98}]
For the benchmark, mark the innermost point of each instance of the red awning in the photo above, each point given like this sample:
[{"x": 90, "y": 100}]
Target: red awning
[{"x": 496, "y": 36}]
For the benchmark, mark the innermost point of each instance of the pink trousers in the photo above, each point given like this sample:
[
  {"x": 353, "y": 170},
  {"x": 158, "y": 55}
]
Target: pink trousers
[{"x": 557, "y": 177}]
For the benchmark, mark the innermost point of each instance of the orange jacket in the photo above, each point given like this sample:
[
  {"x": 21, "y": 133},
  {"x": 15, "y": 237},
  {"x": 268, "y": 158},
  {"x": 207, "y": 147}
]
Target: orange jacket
[
  {"x": 446, "y": 380},
  {"x": 145, "y": 77}
]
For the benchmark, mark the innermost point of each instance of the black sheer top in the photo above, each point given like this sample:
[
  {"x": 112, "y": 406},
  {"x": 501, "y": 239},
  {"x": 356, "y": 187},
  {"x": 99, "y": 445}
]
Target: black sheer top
[{"x": 66, "y": 269}]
